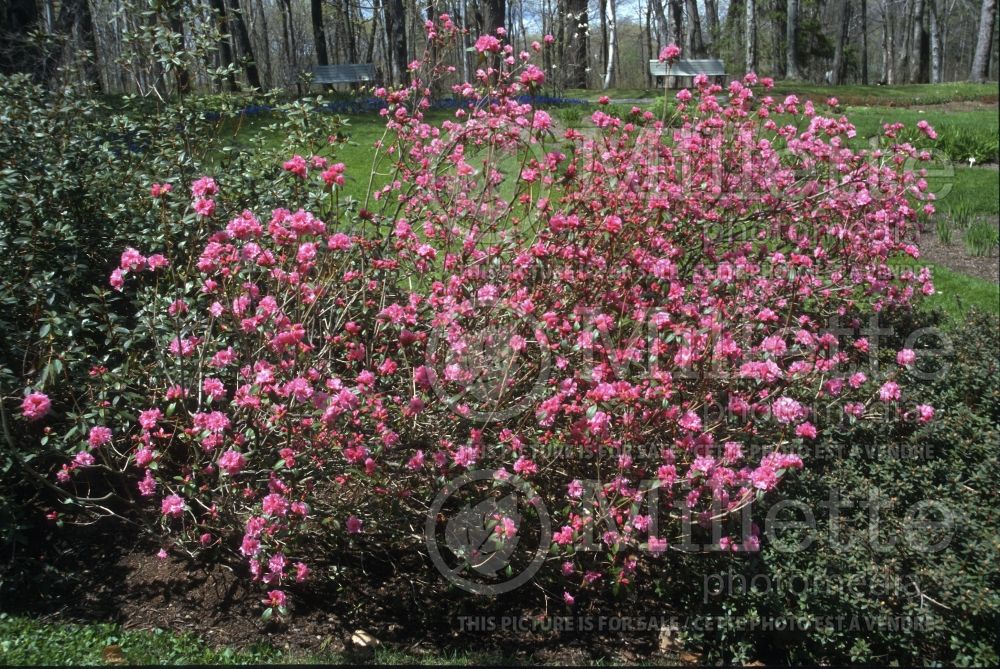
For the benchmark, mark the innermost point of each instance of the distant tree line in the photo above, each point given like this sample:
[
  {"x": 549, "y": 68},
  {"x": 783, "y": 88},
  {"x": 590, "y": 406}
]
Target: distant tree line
[{"x": 173, "y": 46}]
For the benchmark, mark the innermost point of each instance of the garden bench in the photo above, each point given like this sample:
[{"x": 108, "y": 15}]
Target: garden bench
[
  {"x": 352, "y": 73},
  {"x": 711, "y": 67}
]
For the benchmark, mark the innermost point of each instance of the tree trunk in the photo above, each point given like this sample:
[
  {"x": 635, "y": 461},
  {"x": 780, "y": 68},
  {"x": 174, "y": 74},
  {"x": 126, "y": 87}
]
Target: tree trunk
[
  {"x": 839, "y": 60},
  {"x": 76, "y": 23},
  {"x": 889, "y": 49},
  {"x": 936, "y": 55},
  {"x": 779, "y": 25},
  {"x": 864, "y": 42},
  {"x": 693, "y": 39},
  {"x": 181, "y": 73},
  {"x": 984, "y": 44},
  {"x": 792, "y": 40},
  {"x": 319, "y": 32},
  {"x": 494, "y": 15},
  {"x": 712, "y": 17},
  {"x": 395, "y": 30},
  {"x": 602, "y": 10},
  {"x": 661, "y": 19},
  {"x": 577, "y": 26},
  {"x": 225, "y": 47},
  {"x": 243, "y": 42},
  {"x": 609, "y": 70},
  {"x": 750, "y": 46},
  {"x": 289, "y": 38},
  {"x": 677, "y": 22},
  {"x": 917, "y": 43}
]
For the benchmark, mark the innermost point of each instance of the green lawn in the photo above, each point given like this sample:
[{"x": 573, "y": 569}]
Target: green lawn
[{"x": 886, "y": 96}]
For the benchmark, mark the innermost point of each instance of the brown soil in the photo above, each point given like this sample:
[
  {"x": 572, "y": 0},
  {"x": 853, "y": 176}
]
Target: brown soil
[
  {"x": 955, "y": 256},
  {"x": 106, "y": 574}
]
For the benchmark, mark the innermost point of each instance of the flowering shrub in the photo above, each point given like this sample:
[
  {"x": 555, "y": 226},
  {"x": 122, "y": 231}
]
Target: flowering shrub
[{"x": 584, "y": 311}]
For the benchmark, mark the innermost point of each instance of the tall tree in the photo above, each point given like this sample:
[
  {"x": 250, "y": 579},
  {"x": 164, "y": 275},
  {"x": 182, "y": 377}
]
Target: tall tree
[
  {"x": 840, "y": 55},
  {"x": 77, "y": 25},
  {"x": 395, "y": 31},
  {"x": 176, "y": 21},
  {"x": 712, "y": 18},
  {"x": 319, "y": 32},
  {"x": 243, "y": 44},
  {"x": 792, "y": 40},
  {"x": 577, "y": 55},
  {"x": 693, "y": 42},
  {"x": 225, "y": 48},
  {"x": 750, "y": 36},
  {"x": 494, "y": 15},
  {"x": 677, "y": 22},
  {"x": 612, "y": 20},
  {"x": 935, "y": 36},
  {"x": 918, "y": 54},
  {"x": 661, "y": 18},
  {"x": 864, "y": 42},
  {"x": 984, "y": 43}
]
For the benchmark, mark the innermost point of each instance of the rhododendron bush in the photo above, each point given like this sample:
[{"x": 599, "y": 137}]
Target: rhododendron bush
[{"x": 638, "y": 302}]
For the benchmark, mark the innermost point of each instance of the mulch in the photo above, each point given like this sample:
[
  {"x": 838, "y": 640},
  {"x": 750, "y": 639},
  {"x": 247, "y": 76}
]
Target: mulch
[
  {"x": 955, "y": 256},
  {"x": 106, "y": 573}
]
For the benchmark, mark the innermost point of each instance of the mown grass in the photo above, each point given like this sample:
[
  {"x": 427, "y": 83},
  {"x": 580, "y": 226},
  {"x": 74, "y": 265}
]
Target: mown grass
[{"x": 880, "y": 96}]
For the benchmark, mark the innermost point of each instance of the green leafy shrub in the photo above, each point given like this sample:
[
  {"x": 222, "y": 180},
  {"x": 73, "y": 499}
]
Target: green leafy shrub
[
  {"x": 872, "y": 586},
  {"x": 73, "y": 165}
]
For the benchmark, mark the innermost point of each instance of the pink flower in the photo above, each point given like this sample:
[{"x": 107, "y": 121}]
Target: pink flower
[
  {"x": 487, "y": 43},
  {"x": 525, "y": 467},
  {"x": 670, "y": 53},
  {"x": 159, "y": 190},
  {"x": 232, "y": 462},
  {"x": 353, "y": 525},
  {"x": 575, "y": 488},
  {"x": 99, "y": 435},
  {"x": 276, "y": 598},
  {"x": 117, "y": 279},
  {"x": 301, "y": 572},
  {"x": 297, "y": 166},
  {"x": 157, "y": 261},
  {"x": 568, "y": 599},
  {"x": 925, "y": 413},
  {"x": 690, "y": 421},
  {"x": 532, "y": 76},
  {"x": 806, "y": 430},
  {"x": 889, "y": 392},
  {"x": 275, "y": 505},
  {"x": 204, "y": 207},
  {"x": 35, "y": 406},
  {"x": 132, "y": 260},
  {"x": 173, "y": 505},
  {"x": 147, "y": 486},
  {"x": 786, "y": 410},
  {"x": 149, "y": 418},
  {"x": 204, "y": 186},
  {"x": 83, "y": 459},
  {"x": 906, "y": 357}
]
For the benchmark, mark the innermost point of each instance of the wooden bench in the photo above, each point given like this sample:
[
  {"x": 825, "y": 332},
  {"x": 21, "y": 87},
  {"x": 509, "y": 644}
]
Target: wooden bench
[
  {"x": 710, "y": 67},
  {"x": 354, "y": 73}
]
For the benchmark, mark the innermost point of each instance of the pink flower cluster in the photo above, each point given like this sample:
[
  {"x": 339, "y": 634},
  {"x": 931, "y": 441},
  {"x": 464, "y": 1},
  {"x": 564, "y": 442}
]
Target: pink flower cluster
[{"x": 655, "y": 298}]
